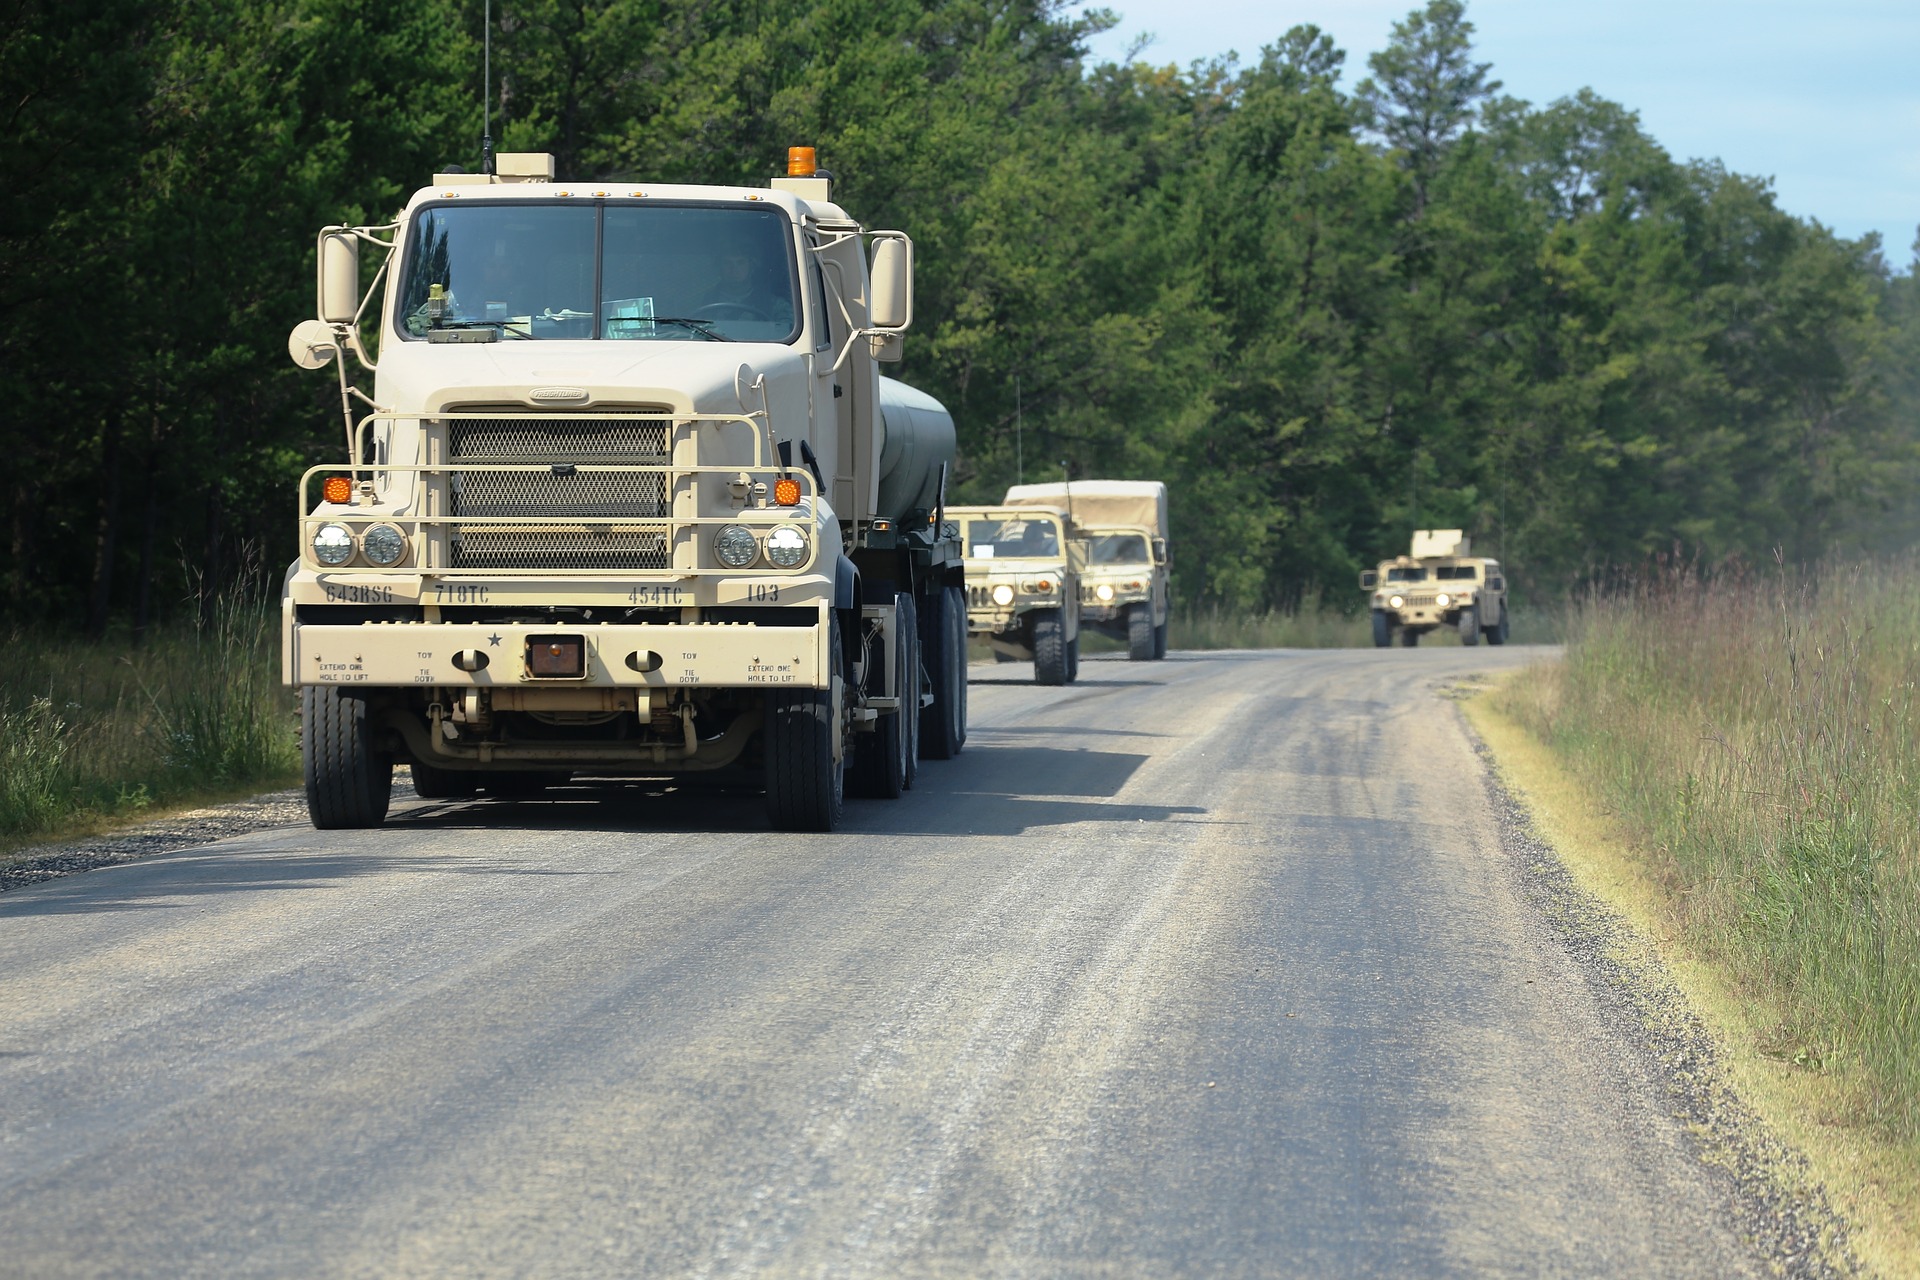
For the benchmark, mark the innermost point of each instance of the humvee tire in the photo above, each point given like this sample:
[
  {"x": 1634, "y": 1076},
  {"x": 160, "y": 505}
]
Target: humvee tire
[
  {"x": 942, "y": 725},
  {"x": 1470, "y": 626},
  {"x": 1160, "y": 642},
  {"x": 883, "y": 759},
  {"x": 1409, "y": 637},
  {"x": 1073, "y": 660},
  {"x": 1140, "y": 629},
  {"x": 1049, "y": 645},
  {"x": 1382, "y": 630},
  {"x": 1498, "y": 634},
  {"x": 806, "y": 786},
  {"x": 431, "y": 783},
  {"x": 349, "y": 782}
]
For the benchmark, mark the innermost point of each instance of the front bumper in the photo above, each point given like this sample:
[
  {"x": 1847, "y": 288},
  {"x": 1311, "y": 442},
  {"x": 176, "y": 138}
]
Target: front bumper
[{"x": 636, "y": 655}]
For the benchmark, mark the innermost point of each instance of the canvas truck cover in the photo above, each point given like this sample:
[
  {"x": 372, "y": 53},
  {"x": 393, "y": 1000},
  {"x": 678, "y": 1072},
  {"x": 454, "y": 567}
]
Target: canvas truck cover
[{"x": 1099, "y": 504}]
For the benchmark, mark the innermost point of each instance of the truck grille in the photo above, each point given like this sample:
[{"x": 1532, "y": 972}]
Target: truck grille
[
  {"x": 1419, "y": 602},
  {"x": 980, "y": 597},
  {"x": 602, "y": 506}
]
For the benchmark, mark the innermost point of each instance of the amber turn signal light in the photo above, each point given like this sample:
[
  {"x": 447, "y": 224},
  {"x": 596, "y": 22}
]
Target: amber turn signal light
[
  {"x": 786, "y": 492},
  {"x": 800, "y": 162},
  {"x": 337, "y": 489}
]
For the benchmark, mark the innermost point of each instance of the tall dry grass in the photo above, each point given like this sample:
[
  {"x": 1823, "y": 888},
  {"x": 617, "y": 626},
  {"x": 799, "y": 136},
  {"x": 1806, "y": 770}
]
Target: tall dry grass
[
  {"x": 1756, "y": 733},
  {"x": 92, "y": 730}
]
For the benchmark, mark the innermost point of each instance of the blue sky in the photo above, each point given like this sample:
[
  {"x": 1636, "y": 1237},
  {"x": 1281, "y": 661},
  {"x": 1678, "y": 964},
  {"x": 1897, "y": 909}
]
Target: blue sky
[{"x": 1824, "y": 98}]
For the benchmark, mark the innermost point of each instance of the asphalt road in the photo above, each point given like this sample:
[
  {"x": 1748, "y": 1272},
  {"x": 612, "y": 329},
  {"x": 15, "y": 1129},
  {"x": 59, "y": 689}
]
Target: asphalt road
[{"x": 1204, "y": 967}]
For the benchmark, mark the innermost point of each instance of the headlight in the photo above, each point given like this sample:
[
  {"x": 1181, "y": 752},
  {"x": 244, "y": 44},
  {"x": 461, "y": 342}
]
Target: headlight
[
  {"x": 1003, "y": 594},
  {"x": 383, "y": 545},
  {"x": 1443, "y": 599},
  {"x": 332, "y": 545},
  {"x": 787, "y": 546},
  {"x": 735, "y": 545},
  {"x": 1103, "y": 591},
  {"x": 1394, "y": 602}
]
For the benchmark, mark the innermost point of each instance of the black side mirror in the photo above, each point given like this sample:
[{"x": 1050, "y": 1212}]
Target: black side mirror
[{"x": 1369, "y": 579}]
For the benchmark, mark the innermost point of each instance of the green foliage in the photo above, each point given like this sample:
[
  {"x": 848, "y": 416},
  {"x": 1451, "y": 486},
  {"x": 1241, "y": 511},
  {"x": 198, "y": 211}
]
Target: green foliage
[{"x": 1325, "y": 317}]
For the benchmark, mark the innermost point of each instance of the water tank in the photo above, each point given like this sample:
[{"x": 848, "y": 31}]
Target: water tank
[{"x": 916, "y": 437}]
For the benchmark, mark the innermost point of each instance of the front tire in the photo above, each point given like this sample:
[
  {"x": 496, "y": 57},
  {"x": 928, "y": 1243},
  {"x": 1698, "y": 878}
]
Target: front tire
[
  {"x": 1382, "y": 630},
  {"x": 349, "y": 781},
  {"x": 1498, "y": 634},
  {"x": 1140, "y": 634},
  {"x": 806, "y": 786},
  {"x": 1049, "y": 644},
  {"x": 1160, "y": 642},
  {"x": 1470, "y": 626},
  {"x": 1409, "y": 638}
]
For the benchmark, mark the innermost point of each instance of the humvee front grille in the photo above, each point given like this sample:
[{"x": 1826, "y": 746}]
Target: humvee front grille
[
  {"x": 1419, "y": 601},
  {"x": 980, "y": 597},
  {"x": 560, "y": 493}
]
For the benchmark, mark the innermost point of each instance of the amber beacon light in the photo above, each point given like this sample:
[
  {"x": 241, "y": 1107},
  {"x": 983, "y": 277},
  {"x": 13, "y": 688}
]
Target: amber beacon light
[{"x": 800, "y": 162}]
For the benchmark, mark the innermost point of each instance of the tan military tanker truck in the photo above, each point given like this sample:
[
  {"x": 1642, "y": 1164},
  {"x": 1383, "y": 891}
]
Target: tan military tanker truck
[
  {"x": 1438, "y": 584},
  {"x": 1124, "y": 588},
  {"x": 629, "y": 497},
  {"x": 1023, "y": 586}
]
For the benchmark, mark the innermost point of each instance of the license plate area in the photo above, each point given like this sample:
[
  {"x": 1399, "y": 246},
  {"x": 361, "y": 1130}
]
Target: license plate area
[{"x": 557, "y": 657}]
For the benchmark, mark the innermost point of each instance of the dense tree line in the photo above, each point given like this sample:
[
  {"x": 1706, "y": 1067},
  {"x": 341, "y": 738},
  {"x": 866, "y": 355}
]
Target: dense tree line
[{"x": 1325, "y": 315}]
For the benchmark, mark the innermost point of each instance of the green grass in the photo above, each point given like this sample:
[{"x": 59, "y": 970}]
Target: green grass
[
  {"x": 97, "y": 731},
  {"x": 1755, "y": 736}
]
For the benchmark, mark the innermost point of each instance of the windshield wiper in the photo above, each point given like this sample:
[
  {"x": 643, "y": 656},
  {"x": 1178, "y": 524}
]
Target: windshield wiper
[
  {"x": 702, "y": 327},
  {"x": 501, "y": 325}
]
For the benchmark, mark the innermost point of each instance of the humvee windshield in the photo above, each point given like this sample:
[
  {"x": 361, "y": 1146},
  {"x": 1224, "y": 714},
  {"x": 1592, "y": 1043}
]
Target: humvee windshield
[
  {"x": 659, "y": 272},
  {"x": 1406, "y": 575},
  {"x": 1119, "y": 548},
  {"x": 1464, "y": 572},
  {"x": 1018, "y": 539}
]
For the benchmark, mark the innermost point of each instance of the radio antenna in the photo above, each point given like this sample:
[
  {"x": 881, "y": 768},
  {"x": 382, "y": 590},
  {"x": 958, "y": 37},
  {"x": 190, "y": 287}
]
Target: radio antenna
[{"x": 486, "y": 90}]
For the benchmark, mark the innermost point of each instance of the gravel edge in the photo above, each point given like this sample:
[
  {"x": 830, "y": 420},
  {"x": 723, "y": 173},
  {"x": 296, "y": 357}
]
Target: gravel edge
[
  {"x": 1778, "y": 1205},
  {"x": 196, "y": 827}
]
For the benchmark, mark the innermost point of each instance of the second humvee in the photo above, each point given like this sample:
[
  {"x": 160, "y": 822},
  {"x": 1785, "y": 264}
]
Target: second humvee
[{"x": 1440, "y": 583}]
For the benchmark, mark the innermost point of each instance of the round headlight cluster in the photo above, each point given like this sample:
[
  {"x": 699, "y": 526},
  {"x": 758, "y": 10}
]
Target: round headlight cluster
[
  {"x": 380, "y": 545},
  {"x": 332, "y": 545},
  {"x": 383, "y": 545},
  {"x": 1443, "y": 599},
  {"x": 1003, "y": 594},
  {"x": 787, "y": 546},
  {"x": 1103, "y": 591},
  {"x": 736, "y": 546},
  {"x": 1394, "y": 602}
]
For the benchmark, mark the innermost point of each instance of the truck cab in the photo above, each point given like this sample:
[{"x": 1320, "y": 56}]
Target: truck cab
[{"x": 628, "y": 497}]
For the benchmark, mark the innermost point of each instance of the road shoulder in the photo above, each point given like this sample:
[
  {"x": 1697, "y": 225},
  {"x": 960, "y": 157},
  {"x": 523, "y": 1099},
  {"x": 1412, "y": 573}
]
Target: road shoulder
[{"x": 1819, "y": 1197}]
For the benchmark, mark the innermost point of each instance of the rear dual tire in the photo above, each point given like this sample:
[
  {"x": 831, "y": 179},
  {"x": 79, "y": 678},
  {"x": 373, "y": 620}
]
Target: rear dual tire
[
  {"x": 886, "y": 759},
  {"x": 943, "y": 652}
]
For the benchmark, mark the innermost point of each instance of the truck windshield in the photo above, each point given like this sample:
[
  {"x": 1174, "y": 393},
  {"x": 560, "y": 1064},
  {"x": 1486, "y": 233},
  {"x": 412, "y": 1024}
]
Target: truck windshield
[
  {"x": 641, "y": 272},
  {"x": 1406, "y": 575},
  {"x": 1012, "y": 539},
  {"x": 1461, "y": 572},
  {"x": 1119, "y": 548}
]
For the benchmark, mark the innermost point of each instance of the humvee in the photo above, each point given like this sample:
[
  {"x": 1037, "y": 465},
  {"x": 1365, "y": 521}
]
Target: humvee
[
  {"x": 1438, "y": 584},
  {"x": 1125, "y": 591},
  {"x": 1023, "y": 586}
]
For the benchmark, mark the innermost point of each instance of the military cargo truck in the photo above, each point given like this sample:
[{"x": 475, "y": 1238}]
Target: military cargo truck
[
  {"x": 1124, "y": 589},
  {"x": 1438, "y": 584},
  {"x": 1023, "y": 586},
  {"x": 629, "y": 497}
]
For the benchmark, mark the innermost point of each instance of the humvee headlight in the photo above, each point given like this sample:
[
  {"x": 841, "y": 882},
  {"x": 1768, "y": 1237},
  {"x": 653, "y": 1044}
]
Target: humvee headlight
[
  {"x": 383, "y": 545},
  {"x": 736, "y": 546},
  {"x": 1103, "y": 591},
  {"x": 1394, "y": 602},
  {"x": 1003, "y": 595},
  {"x": 1443, "y": 599},
  {"x": 332, "y": 545},
  {"x": 787, "y": 546}
]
